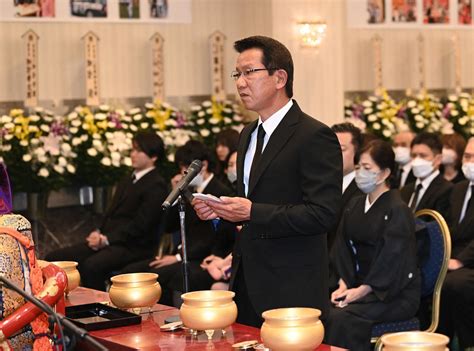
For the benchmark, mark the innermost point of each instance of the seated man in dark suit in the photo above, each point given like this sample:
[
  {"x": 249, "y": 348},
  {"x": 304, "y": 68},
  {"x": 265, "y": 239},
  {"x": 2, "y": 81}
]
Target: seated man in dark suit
[
  {"x": 130, "y": 226},
  {"x": 457, "y": 297},
  {"x": 401, "y": 146},
  {"x": 203, "y": 238},
  {"x": 350, "y": 139},
  {"x": 430, "y": 190}
]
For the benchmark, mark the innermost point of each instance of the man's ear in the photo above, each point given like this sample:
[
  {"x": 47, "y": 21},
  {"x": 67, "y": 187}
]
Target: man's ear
[
  {"x": 437, "y": 160},
  {"x": 281, "y": 78}
]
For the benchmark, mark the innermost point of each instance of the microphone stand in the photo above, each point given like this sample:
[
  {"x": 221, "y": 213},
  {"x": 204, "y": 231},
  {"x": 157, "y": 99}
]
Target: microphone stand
[
  {"x": 61, "y": 320},
  {"x": 182, "y": 225}
]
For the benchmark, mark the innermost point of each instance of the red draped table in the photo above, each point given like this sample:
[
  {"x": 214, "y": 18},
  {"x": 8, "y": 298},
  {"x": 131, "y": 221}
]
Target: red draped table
[{"x": 147, "y": 335}]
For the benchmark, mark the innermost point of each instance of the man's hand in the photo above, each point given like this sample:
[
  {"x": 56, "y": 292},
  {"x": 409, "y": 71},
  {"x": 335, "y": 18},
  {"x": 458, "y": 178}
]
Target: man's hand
[
  {"x": 203, "y": 210},
  {"x": 161, "y": 261},
  {"x": 233, "y": 209},
  {"x": 94, "y": 240},
  {"x": 205, "y": 262},
  {"x": 454, "y": 264},
  {"x": 175, "y": 180},
  {"x": 338, "y": 294}
]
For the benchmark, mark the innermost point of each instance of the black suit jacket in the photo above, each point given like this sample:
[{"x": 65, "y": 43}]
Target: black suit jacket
[
  {"x": 134, "y": 217},
  {"x": 436, "y": 197},
  {"x": 462, "y": 233},
  {"x": 295, "y": 194},
  {"x": 351, "y": 191},
  {"x": 398, "y": 177}
]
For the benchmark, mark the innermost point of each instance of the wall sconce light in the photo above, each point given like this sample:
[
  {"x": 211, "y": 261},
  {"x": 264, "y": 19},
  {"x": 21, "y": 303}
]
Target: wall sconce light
[{"x": 312, "y": 33}]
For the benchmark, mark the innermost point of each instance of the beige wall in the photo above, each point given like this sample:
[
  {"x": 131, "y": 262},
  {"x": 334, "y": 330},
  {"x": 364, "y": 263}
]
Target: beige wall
[
  {"x": 343, "y": 63},
  {"x": 125, "y": 55}
]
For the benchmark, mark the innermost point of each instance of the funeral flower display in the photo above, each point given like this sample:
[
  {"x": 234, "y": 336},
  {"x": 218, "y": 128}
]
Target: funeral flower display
[
  {"x": 102, "y": 140},
  {"x": 210, "y": 117},
  {"x": 459, "y": 111},
  {"x": 37, "y": 150},
  {"x": 423, "y": 113}
]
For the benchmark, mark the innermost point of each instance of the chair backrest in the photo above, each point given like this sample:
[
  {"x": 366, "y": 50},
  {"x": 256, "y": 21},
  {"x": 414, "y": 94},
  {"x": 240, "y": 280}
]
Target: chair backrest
[{"x": 435, "y": 263}]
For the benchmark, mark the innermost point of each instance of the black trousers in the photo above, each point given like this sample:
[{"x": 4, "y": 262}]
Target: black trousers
[
  {"x": 457, "y": 306},
  {"x": 96, "y": 266},
  {"x": 247, "y": 314}
]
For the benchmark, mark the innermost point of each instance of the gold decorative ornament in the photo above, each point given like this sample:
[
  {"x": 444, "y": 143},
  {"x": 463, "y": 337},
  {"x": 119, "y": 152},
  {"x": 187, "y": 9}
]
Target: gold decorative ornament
[{"x": 415, "y": 341}]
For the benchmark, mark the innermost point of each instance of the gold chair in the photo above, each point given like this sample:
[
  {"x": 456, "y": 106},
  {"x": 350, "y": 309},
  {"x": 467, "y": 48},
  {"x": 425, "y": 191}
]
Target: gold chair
[{"x": 433, "y": 272}]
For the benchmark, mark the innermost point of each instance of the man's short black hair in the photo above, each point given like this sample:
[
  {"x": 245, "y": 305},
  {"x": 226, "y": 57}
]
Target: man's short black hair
[
  {"x": 193, "y": 150},
  {"x": 432, "y": 140},
  {"x": 151, "y": 144},
  {"x": 275, "y": 56},
  {"x": 356, "y": 136}
]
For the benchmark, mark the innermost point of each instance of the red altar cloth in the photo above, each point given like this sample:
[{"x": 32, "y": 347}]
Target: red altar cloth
[{"x": 147, "y": 335}]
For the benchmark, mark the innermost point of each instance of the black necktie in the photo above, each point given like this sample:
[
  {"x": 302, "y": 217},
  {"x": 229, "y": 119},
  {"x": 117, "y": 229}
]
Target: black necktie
[
  {"x": 415, "y": 197},
  {"x": 258, "y": 151}
]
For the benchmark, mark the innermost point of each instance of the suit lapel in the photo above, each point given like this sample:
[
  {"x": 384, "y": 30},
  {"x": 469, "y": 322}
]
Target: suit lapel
[
  {"x": 278, "y": 139},
  {"x": 457, "y": 205},
  {"x": 241, "y": 152},
  {"x": 430, "y": 191}
]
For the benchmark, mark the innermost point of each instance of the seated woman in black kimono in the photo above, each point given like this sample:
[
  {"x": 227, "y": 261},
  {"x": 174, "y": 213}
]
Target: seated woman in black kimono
[{"x": 374, "y": 256}]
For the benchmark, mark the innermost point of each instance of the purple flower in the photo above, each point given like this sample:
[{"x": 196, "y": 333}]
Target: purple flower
[
  {"x": 446, "y": 112},
  {"x": 180, "y": 119},
  {"x": 115, "y": 118},
  {"x": 57, "y": 128}
]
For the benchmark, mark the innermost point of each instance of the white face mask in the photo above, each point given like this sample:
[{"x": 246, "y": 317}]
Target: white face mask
[
  {"x": 366, "y": 180},
  {"x": 402, "y": 155},
  {"x": 421, "y": 168},
  {"x": 468, "y": 170},
  {"x": 197, "y": 181},
  {"x": 448, "y": 156},
  {"x": 232, "y": 175}
]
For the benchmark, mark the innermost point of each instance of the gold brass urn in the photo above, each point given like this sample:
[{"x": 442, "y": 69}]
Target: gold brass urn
[
  {"x": 135, "y": 290},
  {"x": 208, "y": 310},
  {"x": 415, "y": 341},
  {"x": 73, "y": 276},
  {"x": 296, "y": 328}
]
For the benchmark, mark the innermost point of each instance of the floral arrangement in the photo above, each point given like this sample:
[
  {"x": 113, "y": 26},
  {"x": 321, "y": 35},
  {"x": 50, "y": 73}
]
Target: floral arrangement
[
  {"x": 378, "y": 112},
  {"x": 165, "y": 120},
  {"x": 37, "y": 150},
  {"x": 459, "y": 111},
  {"x": 423, "y": 113},
  {"x": 210, "y": 117},
  {"x": 102, "y": 140}
]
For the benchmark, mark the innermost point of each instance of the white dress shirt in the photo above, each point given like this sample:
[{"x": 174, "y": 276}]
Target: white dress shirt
[
  {"x": 347, "y": 179},
  {"x": 425, "y": 183},
  {"x": 141, "y": 173},
  {"x": 269, "y": 126},
  {"x": 405, "y": 171},
  {"x": 467, "y": 197}
]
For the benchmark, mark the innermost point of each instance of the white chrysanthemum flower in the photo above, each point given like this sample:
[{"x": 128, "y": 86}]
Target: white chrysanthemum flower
[
  {"x": 415, "y": 111},
  {"x": 109, "y": 135},
  {"x": 207, "y": 103},
  {"x": 238, "y": 118},
  {"x": 454, "y": 113},
  {"x": 195, "y": 108},
  {"x": 201, "y": 114},
  {"x": 5, "y": 119},
  {"x": 45, "y": 128},
  {"x": 387, "y": 133},
  {"x": 366, "y": 103},
  {"x": 367, "y": 110},
  {"x": 76, "y": 123},
  {"x": 24, "y": 142},
  {"x": 419, "y": 125},
  {"x": 62, "y": 161},
  {"x": 34, "y": 118},
  {"x": 85, "y": 126},
  {"x": 376, "y": 126},
  {"x": 27, "y": 157},
  {"x": 216, "y": 130},
  {"x": 133, "y": 128},
  {"x": 144, "y": 125},
  {"x": 115, "y": 156},
  {"x": 227, "y": 120},
  {"x": 411, "y": 103},
  {"x": 204, "y": 133},
  {"x": 452, "y": 98},
  {"x": 372, "y": 118},
  {"x": 213, "y": 120},
  {"x": 418, "y": 118},
  {"x": 137, "y": 117},
  {"x": 111, "y": 124},
  {"x": 58, "y": 169},
  {"x": 43, "y": 172},
  {"x": 76, "y": 141},
  {"x": 104, "y": 107},
  {"x": 462, "y": 121},
  {"x": 127, "y": 161},
  {"x": 96, "y": 143},
  {"x": 137, "y": 110},
  {"x": 71, "y": 169},
  {"x": 106, "y": 161},
  {"x": 200, "y": 121},
  {"x": 92, "y": 152},
  {"x": 73, "y": 130},
  {"x": 34, "y": 141}
]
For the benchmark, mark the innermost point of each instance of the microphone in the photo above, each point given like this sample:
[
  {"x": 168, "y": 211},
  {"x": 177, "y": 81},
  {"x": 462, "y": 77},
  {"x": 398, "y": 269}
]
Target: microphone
[{"x": 192, "y": 171}]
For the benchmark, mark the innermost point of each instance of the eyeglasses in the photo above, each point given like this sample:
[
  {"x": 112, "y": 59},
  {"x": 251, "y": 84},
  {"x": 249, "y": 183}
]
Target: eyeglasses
[{"x": 236, "y": 74}]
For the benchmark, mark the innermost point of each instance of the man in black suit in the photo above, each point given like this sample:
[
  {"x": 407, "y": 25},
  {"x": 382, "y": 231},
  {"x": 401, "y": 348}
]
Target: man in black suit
[
  {"x": 430, "y": 190},
  {"x": 203, "y": 238},
  {"x": 350, "y": 139},
  {"x": 401, "y": 148},
  {"x": 457, "y": 297},
  {"x": 130, "y": 226},
  {"x": 289, "y": 176}
]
